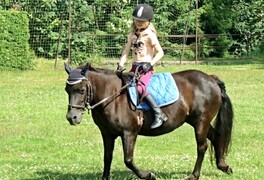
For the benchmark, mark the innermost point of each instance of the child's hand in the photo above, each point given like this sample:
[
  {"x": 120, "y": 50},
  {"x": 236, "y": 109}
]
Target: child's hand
[
  {"x": 119, "y": 70},
  {"x": 146, "y": 67}
]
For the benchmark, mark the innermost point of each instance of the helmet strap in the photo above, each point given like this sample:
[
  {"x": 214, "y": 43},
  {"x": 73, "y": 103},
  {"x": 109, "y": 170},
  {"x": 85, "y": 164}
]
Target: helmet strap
[{"x": 138, "y": 31}]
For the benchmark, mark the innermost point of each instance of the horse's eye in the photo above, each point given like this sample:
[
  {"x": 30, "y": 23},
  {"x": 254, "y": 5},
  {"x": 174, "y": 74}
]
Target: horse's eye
[{"x": 82, "y": 91}]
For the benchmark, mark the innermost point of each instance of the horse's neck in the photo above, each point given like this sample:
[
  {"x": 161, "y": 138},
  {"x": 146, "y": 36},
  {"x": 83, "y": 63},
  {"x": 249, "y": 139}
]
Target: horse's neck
[{"x": 104, "y": 85}]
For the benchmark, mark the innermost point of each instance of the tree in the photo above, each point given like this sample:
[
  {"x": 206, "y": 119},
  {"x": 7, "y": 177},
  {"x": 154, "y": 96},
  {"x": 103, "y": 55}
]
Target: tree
[
  {"x": 249, "y": 23},
  {"x": 100, "y": 27},
  {"x": 217, "y": 19}
]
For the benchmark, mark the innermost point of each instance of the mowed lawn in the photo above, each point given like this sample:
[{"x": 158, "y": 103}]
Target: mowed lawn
[{"x": 36, "y": 141}]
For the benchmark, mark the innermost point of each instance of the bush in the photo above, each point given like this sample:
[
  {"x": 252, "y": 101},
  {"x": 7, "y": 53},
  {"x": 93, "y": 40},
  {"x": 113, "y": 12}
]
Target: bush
[
  {"x": 14, "y": 47},
  {"x": 258, "y": 51}
]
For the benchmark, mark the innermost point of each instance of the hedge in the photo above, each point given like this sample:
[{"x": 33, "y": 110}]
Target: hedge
[{"x": 14, "y": 46}]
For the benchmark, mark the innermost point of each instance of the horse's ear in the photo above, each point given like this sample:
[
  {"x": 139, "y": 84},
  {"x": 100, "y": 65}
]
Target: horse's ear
[
  {"x": 85, "y": 70},
  {"x": 67, "y": 68}
]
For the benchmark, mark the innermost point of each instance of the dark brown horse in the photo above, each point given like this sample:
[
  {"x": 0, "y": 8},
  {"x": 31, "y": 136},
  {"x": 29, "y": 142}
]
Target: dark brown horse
[{"x": 202, "y": 97}]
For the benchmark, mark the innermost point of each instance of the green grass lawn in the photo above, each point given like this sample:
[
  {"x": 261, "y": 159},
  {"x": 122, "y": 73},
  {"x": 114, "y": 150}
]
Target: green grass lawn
[{"x": 36, "y": 141}]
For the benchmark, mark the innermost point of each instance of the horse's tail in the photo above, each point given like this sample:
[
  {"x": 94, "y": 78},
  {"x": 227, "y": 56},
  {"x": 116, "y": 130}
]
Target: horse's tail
[{"x": 223, "y": 124}]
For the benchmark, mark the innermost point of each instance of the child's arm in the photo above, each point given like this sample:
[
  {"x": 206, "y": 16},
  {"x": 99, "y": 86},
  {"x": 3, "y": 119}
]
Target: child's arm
[
  {"x": 158, "y": 55},
  {"x": 125, "y": 52}
]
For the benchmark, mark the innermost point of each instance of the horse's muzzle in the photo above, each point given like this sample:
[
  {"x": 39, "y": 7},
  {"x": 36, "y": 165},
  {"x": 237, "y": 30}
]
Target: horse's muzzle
[{"x": 74, "y": 119}]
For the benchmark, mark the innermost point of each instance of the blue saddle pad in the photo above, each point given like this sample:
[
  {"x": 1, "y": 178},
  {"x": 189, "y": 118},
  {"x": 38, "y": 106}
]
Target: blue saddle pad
[{"x": 162, "y": 87}]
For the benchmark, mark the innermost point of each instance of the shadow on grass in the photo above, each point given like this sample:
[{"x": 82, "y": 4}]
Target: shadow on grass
[{"x": 115, "y": 175}]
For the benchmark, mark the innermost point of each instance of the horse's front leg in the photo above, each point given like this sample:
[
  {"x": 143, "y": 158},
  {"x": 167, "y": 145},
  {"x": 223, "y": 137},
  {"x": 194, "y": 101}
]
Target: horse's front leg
[
  {"x": 109, "y": 143},
  {"x": 129, "y": 141}
]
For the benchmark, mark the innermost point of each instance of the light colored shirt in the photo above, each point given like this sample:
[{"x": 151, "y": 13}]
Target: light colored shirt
[{"x": 143, "y": 48}]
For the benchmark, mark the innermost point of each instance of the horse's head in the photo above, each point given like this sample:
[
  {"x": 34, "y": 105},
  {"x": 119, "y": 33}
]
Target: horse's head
[{"x": 78, "y": 89}]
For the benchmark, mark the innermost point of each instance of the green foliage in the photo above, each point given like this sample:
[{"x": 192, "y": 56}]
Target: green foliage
[
  {"x": 217, "y": 16},
  {"x": 249, "y": 22},
  {"x": 220, "y": 46},
  {"x": 14, "y": 46},
  {"x": 217, "y": 19},
  {"x": 44, "y": 25},
  {"x": 109, "y": 20},
  {"x": 258, "y": 51},
  {"x": 100, "y": 27}
]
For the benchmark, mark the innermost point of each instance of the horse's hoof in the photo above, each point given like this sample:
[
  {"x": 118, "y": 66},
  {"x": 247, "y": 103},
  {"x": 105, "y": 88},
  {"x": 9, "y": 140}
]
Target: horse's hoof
[
  {"x": 192, "y": 177},
  {"x": 226, "y": 169},
  {"x": 152, "y": 176},
  {"x": 229, "y": 170}
]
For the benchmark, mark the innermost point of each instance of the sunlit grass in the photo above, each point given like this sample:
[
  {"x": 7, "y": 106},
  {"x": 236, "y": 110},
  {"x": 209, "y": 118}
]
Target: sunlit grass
[{"x": 38, "y": 143}]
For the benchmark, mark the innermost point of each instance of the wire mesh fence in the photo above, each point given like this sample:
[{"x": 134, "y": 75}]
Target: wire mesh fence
[{"x": 80, "y": 30}]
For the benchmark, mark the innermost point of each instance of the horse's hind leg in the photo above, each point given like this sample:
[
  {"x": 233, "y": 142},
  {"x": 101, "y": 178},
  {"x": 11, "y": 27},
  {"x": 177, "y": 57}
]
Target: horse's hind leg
[
  {"x": 201, "y": 130},
  {"x": 219, "y": 153},
  {"x": 129, "y": 141}
]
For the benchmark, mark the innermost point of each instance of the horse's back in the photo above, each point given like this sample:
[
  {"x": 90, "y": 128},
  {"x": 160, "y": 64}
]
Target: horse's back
[
  {"x": 192, "y": 75},
  {"x": 195, "y": 79},
  {"x": 199, "y": 91}
]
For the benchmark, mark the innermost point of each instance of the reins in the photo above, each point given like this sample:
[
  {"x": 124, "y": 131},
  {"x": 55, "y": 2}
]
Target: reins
[
  {"x": 105, "y": 99},
  {"x": 135, "y": 78}
]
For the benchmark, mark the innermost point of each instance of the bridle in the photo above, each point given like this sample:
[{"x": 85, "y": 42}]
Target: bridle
[{"x": 89, "y": 96}]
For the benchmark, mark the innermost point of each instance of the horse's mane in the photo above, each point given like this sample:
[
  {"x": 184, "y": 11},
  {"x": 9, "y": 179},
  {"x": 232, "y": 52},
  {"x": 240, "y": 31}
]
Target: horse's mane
[
  {"x": 104, "y": 70},
  {"x": 97, "y": 69},
  {"x": 125, "y": 77}
]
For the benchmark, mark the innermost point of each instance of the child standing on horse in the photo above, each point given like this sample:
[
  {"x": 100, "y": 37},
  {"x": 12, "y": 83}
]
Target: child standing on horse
[{"x": 146, "y": 53}]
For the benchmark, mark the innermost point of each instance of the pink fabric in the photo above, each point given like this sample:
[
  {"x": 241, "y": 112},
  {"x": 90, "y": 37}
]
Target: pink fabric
[
  {"x": 143, "y": 83},
  {"x": 144, "y": 80}
]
